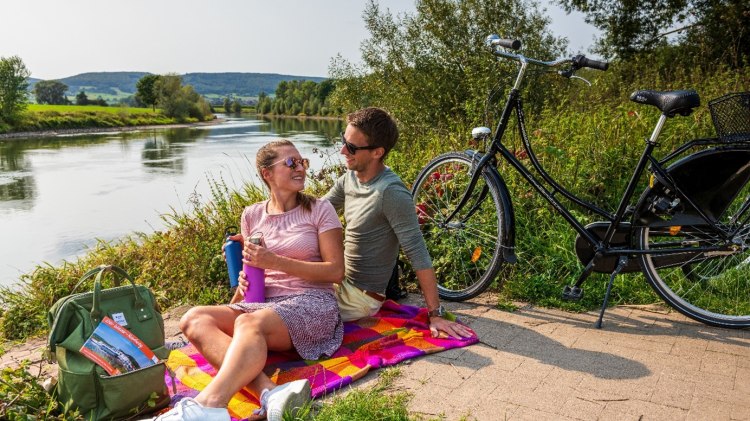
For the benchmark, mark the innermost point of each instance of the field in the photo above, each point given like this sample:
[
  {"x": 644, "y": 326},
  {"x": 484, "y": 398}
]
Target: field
[{"x": 88, "y": 109}]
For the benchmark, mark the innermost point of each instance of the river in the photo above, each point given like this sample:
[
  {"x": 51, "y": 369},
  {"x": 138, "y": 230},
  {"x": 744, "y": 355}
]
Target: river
[{"x": 59, "y": 195}]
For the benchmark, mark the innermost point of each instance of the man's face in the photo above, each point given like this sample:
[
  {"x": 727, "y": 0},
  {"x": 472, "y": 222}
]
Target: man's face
[{"x": 361, "y": 159}]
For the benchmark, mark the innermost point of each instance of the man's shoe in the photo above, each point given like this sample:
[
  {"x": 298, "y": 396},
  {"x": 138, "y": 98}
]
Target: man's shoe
[
  {"x": 288, "y": 397},
  {"x": 190, "y": 410}
]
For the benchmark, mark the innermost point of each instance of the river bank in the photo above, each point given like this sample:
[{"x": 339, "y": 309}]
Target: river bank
[{"x": 102, "y": 130}]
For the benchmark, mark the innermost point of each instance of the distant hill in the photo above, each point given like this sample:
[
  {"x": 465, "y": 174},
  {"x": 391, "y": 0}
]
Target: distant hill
[{"x": 116, "y": 85}]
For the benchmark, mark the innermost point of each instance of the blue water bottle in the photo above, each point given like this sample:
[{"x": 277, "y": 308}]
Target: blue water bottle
[{"x": 233, "y": 253}]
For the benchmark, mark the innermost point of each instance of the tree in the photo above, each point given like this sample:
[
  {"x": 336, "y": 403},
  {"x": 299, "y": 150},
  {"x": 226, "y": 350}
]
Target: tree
[
  {"x": 227, "y": 105},
  {"x": 711, "y": 29},
  {"x": 51, "y": 92},
  {"x": 237, "y": 106},
  {"x": 178, "y": 101},
  {"x": 82, "y": 99},
  {"x": 146, "y": 92},
  {"x": 13, "y": 84},
  {"x": 432, "y": 69}
]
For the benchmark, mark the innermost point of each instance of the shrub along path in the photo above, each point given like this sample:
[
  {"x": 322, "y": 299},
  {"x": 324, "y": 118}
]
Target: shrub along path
[{"x": 535, "y": 363}]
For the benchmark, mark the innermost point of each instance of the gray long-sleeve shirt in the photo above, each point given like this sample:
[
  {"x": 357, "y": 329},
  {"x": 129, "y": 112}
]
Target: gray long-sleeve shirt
[{"x": 379, "y": 216}]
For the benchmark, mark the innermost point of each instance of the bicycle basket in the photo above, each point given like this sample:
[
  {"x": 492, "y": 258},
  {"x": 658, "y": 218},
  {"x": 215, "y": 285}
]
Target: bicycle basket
[{"x": 731, "y": 116}]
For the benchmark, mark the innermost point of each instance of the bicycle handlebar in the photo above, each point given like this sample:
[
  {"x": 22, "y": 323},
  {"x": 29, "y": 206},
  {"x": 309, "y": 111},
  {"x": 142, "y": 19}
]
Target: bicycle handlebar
[{"x": 579, "y": 61}]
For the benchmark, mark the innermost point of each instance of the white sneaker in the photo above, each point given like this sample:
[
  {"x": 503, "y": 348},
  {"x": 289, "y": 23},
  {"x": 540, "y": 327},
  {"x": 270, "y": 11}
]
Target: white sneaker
[
  {"x": 288, "y": 397},
  {"x": 189, "y": 410}
]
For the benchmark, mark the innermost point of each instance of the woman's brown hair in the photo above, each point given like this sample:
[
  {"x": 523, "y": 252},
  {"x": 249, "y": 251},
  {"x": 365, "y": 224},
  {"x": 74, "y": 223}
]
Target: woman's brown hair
[{"x": 267, "y": 155}]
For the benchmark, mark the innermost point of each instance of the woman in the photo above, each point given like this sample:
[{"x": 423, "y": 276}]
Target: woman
[{"x": 303, "y": 257}]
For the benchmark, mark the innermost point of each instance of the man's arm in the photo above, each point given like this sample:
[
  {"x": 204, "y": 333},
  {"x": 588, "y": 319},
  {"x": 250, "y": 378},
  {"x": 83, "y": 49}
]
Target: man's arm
[
  {"x": 403, "y": 219},
  {"x": 336, "y": 194}
]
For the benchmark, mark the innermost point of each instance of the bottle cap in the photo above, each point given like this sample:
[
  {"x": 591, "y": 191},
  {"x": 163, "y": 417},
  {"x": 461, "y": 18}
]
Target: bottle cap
[
  {"x": 256, "y": 238},
  {"x": 231, "y": 230}
]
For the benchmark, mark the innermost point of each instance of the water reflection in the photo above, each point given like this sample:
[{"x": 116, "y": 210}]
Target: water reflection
[
  {"x": 330, "y": 129},
  {"x": 165, "y": 151},
  {"x": 70, "y": 191},
  {"x": 16, "y": 178}
]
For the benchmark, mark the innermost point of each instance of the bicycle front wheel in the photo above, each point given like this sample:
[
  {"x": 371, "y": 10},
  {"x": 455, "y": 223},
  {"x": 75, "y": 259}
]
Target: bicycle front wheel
[
  {"x": 466, "y": 251},
  {"x": 712, "y": 287}
]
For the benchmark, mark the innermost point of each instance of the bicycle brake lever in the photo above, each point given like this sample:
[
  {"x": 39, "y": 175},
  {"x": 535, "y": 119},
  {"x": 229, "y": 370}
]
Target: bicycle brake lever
[{"x": 578, "y": 77}]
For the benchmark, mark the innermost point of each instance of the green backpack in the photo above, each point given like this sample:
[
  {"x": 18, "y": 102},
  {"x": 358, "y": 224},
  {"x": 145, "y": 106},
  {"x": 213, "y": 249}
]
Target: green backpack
[{"x": 85, "y": 385}]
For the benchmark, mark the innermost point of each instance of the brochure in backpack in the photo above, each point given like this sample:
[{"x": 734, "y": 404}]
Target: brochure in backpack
[{"x": 116, "y": 349}]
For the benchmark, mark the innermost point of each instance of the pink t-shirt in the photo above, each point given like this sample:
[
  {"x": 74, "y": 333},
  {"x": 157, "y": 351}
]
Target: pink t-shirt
[{"x": 292, "y": 234}]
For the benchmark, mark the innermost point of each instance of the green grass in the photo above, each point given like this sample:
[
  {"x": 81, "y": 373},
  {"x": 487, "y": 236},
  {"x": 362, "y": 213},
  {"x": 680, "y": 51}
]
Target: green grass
[
  {"x": 114, "y": 109},
  {"x": 40, "y": 117},
  {"x": 378, "y": 402}
]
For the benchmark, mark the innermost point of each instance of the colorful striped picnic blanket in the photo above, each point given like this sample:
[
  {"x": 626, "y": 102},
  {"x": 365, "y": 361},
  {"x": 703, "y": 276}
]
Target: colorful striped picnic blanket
[{"x": 396, "y": 333}]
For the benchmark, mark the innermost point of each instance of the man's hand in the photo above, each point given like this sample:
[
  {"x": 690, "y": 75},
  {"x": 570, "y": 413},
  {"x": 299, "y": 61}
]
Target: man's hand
[{"x": 441, "y": 328}]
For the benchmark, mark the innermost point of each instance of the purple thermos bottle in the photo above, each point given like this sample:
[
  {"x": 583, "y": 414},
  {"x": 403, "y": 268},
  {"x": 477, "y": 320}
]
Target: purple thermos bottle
[
  {"x": 233, "y": 253},
  {"x": 255, "y": 292}
]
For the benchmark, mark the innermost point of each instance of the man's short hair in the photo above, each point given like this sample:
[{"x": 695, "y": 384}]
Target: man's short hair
[{"x": 377, "y": 125}]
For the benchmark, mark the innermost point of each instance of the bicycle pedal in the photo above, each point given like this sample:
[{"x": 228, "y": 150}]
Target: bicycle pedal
[{"x": 572, "y": 293}]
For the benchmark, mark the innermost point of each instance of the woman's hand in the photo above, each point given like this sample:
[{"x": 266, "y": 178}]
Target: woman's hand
[
  {"x": 259, "y": 256},
  {"x": 235, "y": 237},
  {"x": 239, "y": 292}
]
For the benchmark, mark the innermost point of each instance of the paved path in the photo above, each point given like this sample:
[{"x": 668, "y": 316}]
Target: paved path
[
  {"x": 646, "y": 363},
  {"x": 539, "y": 364}
]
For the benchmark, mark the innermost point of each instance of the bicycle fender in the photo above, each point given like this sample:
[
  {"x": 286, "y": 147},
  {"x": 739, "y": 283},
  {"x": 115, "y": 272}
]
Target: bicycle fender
[
  {"x": 508, "y": 215},
  {"x": 710, "y": 179}
]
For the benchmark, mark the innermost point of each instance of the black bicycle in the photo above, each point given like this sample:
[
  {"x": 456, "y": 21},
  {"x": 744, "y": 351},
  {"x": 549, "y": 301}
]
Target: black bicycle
[{"x": 688, "y": 232}]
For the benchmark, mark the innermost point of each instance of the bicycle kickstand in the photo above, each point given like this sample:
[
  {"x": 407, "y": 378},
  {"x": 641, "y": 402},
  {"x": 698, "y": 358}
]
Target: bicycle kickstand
[{"x": 621, "y": 262}]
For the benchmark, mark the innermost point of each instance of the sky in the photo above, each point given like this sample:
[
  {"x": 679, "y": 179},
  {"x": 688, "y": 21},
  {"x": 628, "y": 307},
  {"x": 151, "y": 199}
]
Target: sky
[{"x": 57, "y": 39}]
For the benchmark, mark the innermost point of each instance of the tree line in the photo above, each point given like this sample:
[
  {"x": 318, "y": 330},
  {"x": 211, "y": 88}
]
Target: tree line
[{"x": 298, "y": 97}]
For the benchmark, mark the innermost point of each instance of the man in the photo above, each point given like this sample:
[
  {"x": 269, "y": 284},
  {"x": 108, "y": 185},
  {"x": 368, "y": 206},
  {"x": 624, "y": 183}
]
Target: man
[{"x": 380, "y": 216}]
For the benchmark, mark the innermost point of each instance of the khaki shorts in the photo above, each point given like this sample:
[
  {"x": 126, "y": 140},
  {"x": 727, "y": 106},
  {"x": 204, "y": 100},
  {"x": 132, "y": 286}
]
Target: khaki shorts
[{"x": 354, "y": 304}]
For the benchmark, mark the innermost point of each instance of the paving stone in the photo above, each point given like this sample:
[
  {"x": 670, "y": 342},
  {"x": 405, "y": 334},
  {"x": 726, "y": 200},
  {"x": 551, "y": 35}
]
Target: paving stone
[
  {"x": 582, "y": 409},
  {"x": 672, "y": 391},
  {"x": 740, "y": 412},
  {"x": 648, "y": 410},
  {"x": 706, "y": 409}
]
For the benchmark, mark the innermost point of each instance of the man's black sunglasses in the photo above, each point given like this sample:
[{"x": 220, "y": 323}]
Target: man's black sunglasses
[{"x": 354, "y": 148}]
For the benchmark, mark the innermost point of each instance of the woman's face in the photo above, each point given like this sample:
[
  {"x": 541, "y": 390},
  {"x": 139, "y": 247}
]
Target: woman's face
[{"x": 287, "y": 172}]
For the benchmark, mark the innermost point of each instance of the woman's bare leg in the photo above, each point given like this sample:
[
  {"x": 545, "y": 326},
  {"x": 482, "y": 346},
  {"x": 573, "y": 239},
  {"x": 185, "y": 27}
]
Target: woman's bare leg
[{"x": 242, "y": 359}]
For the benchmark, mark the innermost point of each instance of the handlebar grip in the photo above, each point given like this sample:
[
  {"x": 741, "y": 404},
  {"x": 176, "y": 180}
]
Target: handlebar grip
[
  {"x": 513, "y": 44},
  {"x": 582, "y": 61},
  {"x": 493, "y": 40}
]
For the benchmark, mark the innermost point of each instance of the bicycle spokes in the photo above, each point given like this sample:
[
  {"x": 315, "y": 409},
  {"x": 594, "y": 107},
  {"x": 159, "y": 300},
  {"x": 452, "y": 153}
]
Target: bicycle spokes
[{"x": 465, "y": 248}]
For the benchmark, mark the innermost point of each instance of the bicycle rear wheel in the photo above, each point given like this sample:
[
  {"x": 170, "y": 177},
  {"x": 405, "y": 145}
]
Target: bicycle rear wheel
[
  {"x": 712, "y": 287},
  {"x": 466, "y": 251}
]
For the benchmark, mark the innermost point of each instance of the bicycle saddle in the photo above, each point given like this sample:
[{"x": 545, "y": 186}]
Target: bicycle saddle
[{"x": 669, "y": 102}]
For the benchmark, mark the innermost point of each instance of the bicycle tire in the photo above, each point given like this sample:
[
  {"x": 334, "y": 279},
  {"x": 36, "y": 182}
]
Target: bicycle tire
[
  {"x": 466, "y": 253},
  {"x": 712, "y": 288}
]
